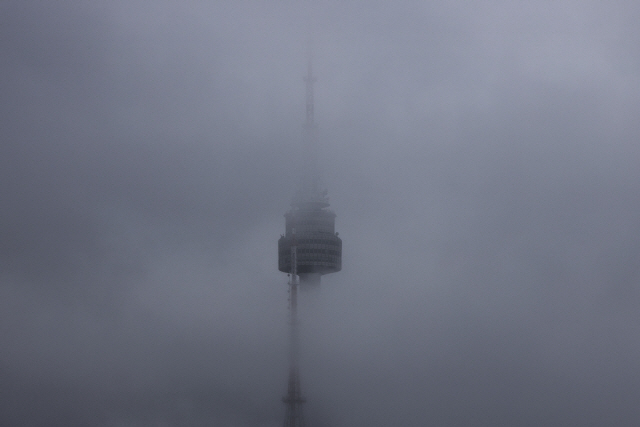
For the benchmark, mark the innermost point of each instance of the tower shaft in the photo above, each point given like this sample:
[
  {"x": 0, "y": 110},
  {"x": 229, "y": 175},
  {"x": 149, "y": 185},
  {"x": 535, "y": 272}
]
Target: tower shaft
[{"x": 293, "y": 398}]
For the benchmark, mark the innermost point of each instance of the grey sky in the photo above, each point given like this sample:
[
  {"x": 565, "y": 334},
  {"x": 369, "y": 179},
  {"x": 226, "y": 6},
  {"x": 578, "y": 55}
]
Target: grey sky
[{"x": 482, "y": 160}]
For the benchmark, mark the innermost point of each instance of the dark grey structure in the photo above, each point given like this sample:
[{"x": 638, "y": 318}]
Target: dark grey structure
[
  {"x": 309, "y": 248},
  {"x": 319, "y": 247}
]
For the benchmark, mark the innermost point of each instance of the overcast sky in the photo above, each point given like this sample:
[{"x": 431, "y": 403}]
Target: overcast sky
[{"x": 481, "y": 157}]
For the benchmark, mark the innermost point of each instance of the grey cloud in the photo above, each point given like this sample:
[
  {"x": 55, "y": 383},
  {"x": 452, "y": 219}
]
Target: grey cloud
[{"x": 482, "y": 161}]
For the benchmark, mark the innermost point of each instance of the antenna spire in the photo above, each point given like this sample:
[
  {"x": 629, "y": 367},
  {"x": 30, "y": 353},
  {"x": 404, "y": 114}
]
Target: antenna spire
[
  {"x": 311, "y": 176},
  {"x": 310, "y": 80}
]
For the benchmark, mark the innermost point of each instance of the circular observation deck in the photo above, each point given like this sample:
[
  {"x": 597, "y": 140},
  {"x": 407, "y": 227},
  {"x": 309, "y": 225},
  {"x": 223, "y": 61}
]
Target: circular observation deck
[{"x": 319, "y": 249}]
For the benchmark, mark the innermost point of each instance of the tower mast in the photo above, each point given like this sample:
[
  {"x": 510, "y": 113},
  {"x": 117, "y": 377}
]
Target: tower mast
[
  {"x": 311, "y": 174},
  {"x": 293, "y": 398},
  {"x": 309, "y": 80}
]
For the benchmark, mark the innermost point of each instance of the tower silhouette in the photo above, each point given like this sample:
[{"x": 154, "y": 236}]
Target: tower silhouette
[{"x": 309, "y": 248}]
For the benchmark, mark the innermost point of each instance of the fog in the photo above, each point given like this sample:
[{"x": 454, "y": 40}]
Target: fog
[{"x": 482, "y": 160}]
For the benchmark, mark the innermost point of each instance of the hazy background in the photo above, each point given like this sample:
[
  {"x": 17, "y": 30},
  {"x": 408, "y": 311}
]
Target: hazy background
[{"x": 482, "y": 158}]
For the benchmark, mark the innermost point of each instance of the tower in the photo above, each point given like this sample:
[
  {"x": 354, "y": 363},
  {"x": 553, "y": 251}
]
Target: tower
[
  {"x": 319, "y": 249},
  {"x": 309, "y": 248}
]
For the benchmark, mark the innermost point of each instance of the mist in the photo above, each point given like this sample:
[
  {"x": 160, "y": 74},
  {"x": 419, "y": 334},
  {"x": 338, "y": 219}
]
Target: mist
[{"x": 482, "y": 161}]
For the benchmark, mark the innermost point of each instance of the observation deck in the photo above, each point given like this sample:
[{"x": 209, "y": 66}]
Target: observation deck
[{"x": 319, "y": 249}]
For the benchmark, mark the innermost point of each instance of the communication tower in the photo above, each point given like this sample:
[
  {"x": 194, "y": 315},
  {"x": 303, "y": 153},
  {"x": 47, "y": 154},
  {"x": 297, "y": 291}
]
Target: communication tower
[
  {"x": 319, "y": 247},
  {"x": 309, "y": 248}
]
